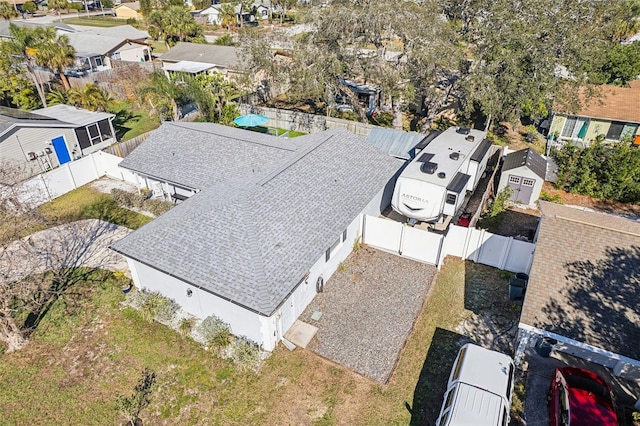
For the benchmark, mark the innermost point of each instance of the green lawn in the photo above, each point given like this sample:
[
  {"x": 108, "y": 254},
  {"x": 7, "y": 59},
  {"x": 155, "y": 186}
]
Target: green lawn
[
  {"x": 276, "y": 131},
  {"x": 131, "y": 121},
  {"x": 95, "y": 21},
  {"x": 89, "y": 349},
  {"x": 159, "y": 46},
  {"x": 88, "y": 203}
]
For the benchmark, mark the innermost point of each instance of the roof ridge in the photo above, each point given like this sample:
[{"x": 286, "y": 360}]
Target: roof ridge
[
  {"x": 303, "y": 153},
  {"x": 271, "y": 145}
]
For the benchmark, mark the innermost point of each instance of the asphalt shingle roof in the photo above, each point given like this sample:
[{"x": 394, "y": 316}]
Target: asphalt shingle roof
[
  {"x": 251, "y": 240},
  {"x": 222, "y": 56},
  {"x": 584, "y": 283},
  {"x": 198, "y": 155},
  {"x": 526, "y": 157}
]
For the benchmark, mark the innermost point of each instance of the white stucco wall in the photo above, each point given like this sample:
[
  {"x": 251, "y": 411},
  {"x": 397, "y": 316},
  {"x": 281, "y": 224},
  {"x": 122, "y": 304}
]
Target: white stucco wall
[{"x": 134, "y": 52}]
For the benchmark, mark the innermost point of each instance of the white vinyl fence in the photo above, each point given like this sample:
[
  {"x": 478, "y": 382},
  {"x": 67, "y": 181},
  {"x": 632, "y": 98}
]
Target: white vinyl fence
[
  {"x": 468, "y": 243},
  {"x": 47, "y": 186}
]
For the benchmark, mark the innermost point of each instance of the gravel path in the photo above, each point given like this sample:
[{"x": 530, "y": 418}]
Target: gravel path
[
  {"x": 82, "y": 243},
  {"x": 368, "y": 311}
]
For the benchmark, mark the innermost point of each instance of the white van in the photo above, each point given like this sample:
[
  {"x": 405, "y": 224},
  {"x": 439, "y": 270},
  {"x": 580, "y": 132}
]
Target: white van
[{"x": 479, "y": 389}]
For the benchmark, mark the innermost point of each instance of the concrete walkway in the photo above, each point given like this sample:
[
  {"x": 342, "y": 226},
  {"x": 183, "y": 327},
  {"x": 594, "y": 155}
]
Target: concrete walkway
[{"x": 78, "y": 244}]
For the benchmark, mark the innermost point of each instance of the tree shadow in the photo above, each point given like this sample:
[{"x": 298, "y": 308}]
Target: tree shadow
[
  {"x": 598, "y": 303},
  {"x": 432, "y": 382},
  {"x": 123, "y": 117}
]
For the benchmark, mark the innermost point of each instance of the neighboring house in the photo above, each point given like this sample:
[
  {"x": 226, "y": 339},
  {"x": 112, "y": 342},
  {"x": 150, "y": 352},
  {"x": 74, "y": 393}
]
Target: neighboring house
[
  {"x": 212, "y": 14},
  {"x": 96, "y": 48},
  {"x": 270, "y": 223},
  {"x": 614, "y": 115},
  {"x": 584, "y": 287},
  {"x": 524, "y": 172},
  {"x": 194, "y": 58},
  {"x": 397, "y": 143},
  {"x": 48, "y": 137},
  {"x": 128, "y": 10}
]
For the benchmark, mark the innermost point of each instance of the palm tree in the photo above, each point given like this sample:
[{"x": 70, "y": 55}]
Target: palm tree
[
  {"x": 91, "y": 97},
  {"x": 57, "y": 54},
  {"x": 56, "y": 97},
  {"x": 163, "y": 95},
  {"x": 228, "y": 15}
]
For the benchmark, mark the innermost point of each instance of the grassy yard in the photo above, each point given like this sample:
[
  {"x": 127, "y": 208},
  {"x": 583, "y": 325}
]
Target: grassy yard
[
  {"x": 95, "y": 21},
  {"x": 88, "y": 203},
  {"x": 131, "y": 122},
  {"x": 90, "y": 349},
  {"x": 159, "y": 46},
  {"x": 276, "y": 131}
]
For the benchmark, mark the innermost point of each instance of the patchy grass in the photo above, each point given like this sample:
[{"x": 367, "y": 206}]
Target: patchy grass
[
  {"x": 275, "y": 131},
  {"x": 88, "y": 203},
  {"x": 131, "y": 121},
  {"x": 159, "y": 46},
  {"x": 89, "y": 349},
  {"x": 95, "y": 21}
]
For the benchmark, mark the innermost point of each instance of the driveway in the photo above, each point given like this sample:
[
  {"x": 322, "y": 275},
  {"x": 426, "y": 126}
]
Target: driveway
[
  {"x": 368, "y": 310},
  {"x": 82, "y": 243}
]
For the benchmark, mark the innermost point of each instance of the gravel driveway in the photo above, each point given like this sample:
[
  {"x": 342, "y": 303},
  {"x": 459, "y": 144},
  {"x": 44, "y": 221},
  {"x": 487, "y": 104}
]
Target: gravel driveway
[
  {"x": 368, "y": 310},
  {"x": 82, "y": 243}
]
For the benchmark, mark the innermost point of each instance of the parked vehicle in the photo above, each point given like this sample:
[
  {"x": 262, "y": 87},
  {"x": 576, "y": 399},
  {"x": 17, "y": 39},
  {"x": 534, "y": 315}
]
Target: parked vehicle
[
  {"x": 435, "y": 183},
  {"x": 580, "y": 397},
  {"x": 479, "y": 389}
]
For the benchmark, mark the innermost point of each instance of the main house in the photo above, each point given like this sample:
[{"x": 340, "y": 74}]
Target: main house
[
  {"x": 612, "y": 115},
  {"x": 584, "y": 287},
  {"x": 269, "y": 220},
  {"x": 46, "y": 138}
]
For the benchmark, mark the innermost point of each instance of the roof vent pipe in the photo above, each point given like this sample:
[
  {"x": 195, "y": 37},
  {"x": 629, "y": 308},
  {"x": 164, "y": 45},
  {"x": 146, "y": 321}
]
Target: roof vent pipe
[
  {"x": 442, "y": 175},
  {"x": 454, "y": 155},
  {"x": 469, "y": 138}
]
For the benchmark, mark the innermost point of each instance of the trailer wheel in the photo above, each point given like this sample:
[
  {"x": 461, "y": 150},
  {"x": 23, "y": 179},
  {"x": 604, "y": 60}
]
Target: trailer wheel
[{"x": 320, "y": 284}]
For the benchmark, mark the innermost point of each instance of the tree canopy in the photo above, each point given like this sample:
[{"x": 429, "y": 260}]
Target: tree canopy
[{"x": 174, "y": 24}]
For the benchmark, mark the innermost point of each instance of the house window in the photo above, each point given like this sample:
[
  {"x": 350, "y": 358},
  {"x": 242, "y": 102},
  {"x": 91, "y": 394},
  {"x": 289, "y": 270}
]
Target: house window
[
  {"x": 105, "y": 129},
  {"x": 334, "y": 247},
  {"x": 575, "y": 127},
  {"x": 94, "y": 134},
  {"x": 619, "y": 130},
  {"x": 83, "y": 138}
]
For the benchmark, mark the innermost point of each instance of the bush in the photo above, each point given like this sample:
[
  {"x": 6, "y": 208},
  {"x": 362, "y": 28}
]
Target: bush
[
  {"x": 555, "y": 198},
  {"x": 225, "y": 40},
  {"x": 156, "y": 207},
  {"x": 498, "y": 205},
  {"x": 122, "y": 198},
  {"x": 155, "y": 306},
  {"x": 215, "y": 331},
  {"x": 246, "y": 353},
  {"x": 186, "y": 326}
]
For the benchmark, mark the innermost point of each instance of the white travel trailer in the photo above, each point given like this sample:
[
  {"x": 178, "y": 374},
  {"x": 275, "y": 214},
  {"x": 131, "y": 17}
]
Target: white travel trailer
[{"x": 435, "y": 183}]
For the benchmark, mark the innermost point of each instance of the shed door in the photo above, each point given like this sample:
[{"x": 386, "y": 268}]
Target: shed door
[
  {"x": 522, "y": 188},
  {"x": 62, "y": 152}
]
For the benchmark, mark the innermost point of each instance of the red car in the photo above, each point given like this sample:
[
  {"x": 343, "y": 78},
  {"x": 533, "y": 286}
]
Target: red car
[{"x": 580, "y": 398}]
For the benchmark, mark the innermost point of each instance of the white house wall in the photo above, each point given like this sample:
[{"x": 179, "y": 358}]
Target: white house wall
[
  {"x": 133, "y": 53},
  {"x": 201, "y": 303}
]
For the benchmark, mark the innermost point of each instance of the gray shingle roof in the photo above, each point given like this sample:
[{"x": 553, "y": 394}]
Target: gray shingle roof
[
  {"x": 526, "y": 157},
  {"x": 222, "y": 56},
  {"x": 198, "y": 155},
  {"x": 251, "y": 240}
]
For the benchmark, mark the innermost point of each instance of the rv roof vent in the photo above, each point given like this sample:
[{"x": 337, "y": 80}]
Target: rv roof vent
[
  {"x": 463, "y": 130},
  {"x": 469, "y": 138},
  {"x": 429, "y": 167},
  {"x": 442, "y": 175},
  {"x": 454, "y": 155}
]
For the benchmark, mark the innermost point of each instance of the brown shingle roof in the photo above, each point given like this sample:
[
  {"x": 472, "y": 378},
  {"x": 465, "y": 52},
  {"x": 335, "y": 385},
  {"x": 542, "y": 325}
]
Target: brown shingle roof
[
  {"x": 612, "y": 103},
  {"x": 585, "y": 279}
]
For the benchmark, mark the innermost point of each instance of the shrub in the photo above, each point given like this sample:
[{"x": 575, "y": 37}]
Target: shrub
[
  {"x": 156, "y": 306},
  {"x": 246, "y": 353},
  {"x": 156, "y": 207},
  {"x": 215, "y": 331},
  {"x": 122, "y": 198},
  {"x": 498, "y": 205},
  {"x": 225, "y": 40},
  {"x": 555, "y": 198},
  {"x": 186, "y": 326}
]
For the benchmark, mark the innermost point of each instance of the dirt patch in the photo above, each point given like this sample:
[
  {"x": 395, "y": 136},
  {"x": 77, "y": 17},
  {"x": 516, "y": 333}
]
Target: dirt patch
[
  {"x": 608, "y": 206},
  {"x": 105, "y": 185}
]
